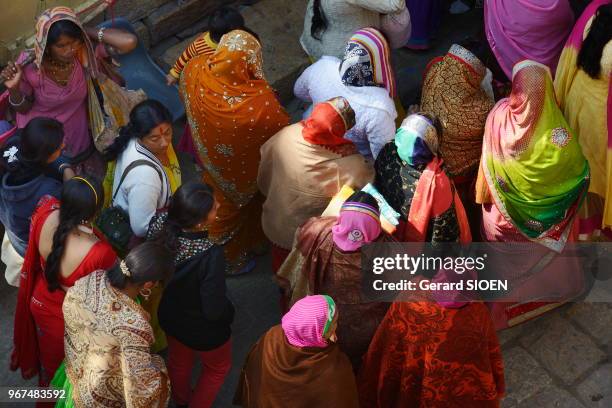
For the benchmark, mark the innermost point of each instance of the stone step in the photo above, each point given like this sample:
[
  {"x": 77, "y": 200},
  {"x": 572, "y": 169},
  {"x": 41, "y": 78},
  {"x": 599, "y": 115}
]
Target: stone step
[{"x": 279, "y": 24}]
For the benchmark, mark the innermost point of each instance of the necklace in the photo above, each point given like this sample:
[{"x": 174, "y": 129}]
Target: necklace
[
  {"x": 59, "y": 71},
  {"x": 85, "y": 229}
]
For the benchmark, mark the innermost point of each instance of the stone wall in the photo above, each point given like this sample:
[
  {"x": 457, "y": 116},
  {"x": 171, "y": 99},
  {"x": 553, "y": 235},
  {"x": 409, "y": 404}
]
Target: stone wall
[
  {"x": 158, "y": 20},
  {"x": 155, "y": 20}
]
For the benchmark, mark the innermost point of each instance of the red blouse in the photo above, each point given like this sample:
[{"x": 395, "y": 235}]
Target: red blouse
[{"x": 33, "y": 288}]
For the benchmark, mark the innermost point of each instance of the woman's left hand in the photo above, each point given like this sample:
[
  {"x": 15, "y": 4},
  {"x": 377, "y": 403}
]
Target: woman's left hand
[{"x": 122, "y": 41}]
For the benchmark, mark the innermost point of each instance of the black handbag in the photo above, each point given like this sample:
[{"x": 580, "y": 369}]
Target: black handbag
[{"x": 114, "y": 221}]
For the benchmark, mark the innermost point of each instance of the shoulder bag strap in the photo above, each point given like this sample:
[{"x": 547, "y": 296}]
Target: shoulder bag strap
[{"x": 131, "y": 166}]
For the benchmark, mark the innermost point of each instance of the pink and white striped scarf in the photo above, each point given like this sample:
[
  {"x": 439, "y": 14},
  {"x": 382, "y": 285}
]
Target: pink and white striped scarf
[{"x": 309, "y": 319}]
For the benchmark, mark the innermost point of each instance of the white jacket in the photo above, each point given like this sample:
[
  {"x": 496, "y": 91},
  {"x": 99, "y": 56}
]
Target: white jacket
[{"x": 374, "y": 109}]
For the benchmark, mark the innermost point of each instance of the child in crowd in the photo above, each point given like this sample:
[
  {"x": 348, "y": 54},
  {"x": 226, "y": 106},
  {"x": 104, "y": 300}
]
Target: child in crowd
[
  {"x": 24, "y": 161},
  {"x": 195, "y": 311},
  {"x": 222, "y": 21}
]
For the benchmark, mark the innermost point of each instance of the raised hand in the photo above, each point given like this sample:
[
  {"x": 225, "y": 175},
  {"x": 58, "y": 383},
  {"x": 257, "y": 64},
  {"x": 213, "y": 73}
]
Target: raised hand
[{"x": 11, "y": 75}]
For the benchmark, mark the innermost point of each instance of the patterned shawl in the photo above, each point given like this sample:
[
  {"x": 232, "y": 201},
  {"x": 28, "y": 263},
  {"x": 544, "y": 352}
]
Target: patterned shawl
[
  {"x": 367, "y": 61},
  {"x": 416, "y": 144},
  {"x": 108, "y": 338},
  {"x": 532, "y": 161},
  {"x": 452, "y": 93},
  {"x": 43, "y": 25}
]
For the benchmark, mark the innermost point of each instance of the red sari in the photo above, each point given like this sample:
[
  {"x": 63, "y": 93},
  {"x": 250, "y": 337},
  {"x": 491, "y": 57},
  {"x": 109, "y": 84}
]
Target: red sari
[
  {"x": 426, "y": 355},
  {"x": 38, "y": 317}
]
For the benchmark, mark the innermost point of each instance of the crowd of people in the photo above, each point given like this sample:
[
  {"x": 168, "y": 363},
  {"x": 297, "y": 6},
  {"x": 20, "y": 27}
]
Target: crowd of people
[{"x": 116, "y": 257}]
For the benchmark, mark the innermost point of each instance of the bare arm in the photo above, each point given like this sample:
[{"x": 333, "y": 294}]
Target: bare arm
[
  {"x": 12, "y": 76},
  {"x": 121, "y": 41}
]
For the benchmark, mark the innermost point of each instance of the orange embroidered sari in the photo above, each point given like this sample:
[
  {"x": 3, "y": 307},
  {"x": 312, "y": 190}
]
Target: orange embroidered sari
[{"x": 232, "y": 111}]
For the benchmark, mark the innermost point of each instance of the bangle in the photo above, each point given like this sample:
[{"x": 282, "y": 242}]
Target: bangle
[
  {"x": 101, "y": 34},
  {"x": 10, "y": 99}
]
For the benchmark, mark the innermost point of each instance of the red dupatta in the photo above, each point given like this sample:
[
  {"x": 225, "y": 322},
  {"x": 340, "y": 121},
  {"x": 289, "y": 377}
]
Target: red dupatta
[
  {"x": 434, "y": 194},
  {"x": 25, "y": 344}
]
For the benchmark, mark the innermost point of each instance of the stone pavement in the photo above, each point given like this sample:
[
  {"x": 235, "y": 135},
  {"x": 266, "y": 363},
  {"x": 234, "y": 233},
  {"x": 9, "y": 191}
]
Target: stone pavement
[{"x": 562, "y": 360}]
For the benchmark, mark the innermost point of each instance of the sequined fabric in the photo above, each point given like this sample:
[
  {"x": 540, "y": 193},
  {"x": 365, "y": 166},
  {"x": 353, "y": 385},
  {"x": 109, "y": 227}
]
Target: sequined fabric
[
  {"x": 533, "y": 166},
  {"x": 232, "y": 111},
  {"x": 189, "y": 244},
  {"x": 452, "y": 94}
]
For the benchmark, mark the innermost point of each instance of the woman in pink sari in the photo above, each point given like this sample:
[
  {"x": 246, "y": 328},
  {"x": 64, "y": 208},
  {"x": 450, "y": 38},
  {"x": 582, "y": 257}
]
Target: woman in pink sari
[
  {"x": 527, "y": 29},
  {"x": 56, "y": 85}
]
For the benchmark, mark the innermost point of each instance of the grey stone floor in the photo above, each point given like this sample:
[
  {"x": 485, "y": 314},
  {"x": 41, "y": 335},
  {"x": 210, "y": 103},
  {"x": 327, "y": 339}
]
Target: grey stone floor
[{"x": 562, "y": 360}]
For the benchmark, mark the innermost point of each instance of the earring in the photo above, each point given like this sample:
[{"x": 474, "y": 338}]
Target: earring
[{"x": 145, "y": 293}]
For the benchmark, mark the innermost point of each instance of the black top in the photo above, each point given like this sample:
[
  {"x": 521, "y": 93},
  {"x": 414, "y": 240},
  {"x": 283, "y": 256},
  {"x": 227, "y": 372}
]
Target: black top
[
  {"x": 194, "y": 307},
  {"x": 396, "y": 180}
]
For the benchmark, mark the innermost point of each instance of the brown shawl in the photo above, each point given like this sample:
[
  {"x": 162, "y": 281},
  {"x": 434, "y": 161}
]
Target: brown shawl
[
  {"x": 317, "y": 267},
  {"x": 279, "y": 375}
]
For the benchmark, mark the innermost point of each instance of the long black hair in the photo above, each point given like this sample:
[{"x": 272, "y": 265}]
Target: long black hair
[
  {"x": 144, "y": 117},
  {"x": 319, "y": 21},
  {"x": 27, "y": 154},
  {"x": 82, "y": 198},
  {"x": 589, "y": 57},
  {"x": 147, "y": 262},
  {"x": 188, "y": 207},
  {"x": 63, "y": 27},
  {"x": 578, "y": 6},
  {"x": 223, "y": 20}
]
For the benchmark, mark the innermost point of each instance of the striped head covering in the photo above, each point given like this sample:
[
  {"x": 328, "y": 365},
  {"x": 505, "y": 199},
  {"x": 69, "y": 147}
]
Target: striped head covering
[
  {"x": 367, "y": 61},
  {"x": 309, "y": 320},
  {"x": 358, "y": 224},
  {"x": 43, "y": 25},
  {"x": 416, "y": 140}
]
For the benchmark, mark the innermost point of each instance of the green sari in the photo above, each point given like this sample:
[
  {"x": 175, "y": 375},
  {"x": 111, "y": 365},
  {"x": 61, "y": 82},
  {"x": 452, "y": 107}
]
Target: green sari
[{"x": 532, "y": 161}]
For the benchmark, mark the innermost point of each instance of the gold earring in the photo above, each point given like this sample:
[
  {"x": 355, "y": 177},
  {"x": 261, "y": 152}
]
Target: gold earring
[{"x": 145, "y": 293}]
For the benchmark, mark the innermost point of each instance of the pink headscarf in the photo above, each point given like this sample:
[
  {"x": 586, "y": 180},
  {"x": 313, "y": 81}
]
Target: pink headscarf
[
  {"x": 358, "y": 224},
  {"x": 527, "y": 29},
  {"x": 308, "y": 321}
]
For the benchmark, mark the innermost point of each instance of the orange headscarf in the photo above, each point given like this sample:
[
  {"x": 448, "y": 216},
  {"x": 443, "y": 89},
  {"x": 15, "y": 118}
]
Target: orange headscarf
[
  {"x": 329, "y": 122},
  {"x": 232, "y": 111}
]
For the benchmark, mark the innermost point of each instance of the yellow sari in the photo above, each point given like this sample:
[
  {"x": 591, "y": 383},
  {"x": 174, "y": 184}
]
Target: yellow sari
[{"x": 587, "y": 105}]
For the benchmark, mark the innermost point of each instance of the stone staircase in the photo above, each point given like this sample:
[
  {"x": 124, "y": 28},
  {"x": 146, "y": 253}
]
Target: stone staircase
[{"x": 279, "y": 25}]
